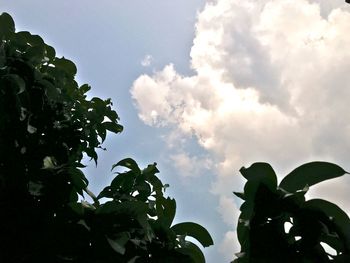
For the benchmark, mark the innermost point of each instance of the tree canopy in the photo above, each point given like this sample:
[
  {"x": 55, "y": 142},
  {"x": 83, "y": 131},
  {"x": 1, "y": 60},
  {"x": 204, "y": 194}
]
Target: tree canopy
[{"x": 47, "y": 125}]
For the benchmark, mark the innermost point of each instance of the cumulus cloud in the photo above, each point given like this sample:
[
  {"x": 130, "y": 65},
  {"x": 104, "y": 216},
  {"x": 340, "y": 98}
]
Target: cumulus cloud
[
  {"x": 229, "y": 246},
  {"x": 271, "y": 84},
  {"x": 228, "y": 210},
  {"x": 188, "y": 165}
]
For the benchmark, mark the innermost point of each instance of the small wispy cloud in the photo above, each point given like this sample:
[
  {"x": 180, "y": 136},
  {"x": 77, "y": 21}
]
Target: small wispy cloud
[{"x": 147, "y": 61}]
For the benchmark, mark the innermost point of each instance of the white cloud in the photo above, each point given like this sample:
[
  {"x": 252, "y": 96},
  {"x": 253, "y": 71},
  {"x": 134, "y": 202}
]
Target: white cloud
[
  {"x": 190, "y": 166},
  {"x": 147, "y": 61},
  {"x": 229, "y": 246},
  {"x": 228, "y": 210},
  {"x": 271, "y": 84}
]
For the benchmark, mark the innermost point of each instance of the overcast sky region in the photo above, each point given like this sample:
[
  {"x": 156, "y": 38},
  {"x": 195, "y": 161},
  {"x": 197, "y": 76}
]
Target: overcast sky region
[{"x": 206, "y": 87}]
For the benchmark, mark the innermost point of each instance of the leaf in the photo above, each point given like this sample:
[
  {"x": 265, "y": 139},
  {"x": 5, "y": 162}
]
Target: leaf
[
  {"x": 332, "y": 241},
  {"x": 2, "y": 55},
  {"x": 78, "y": 208},
  {"x": 342, "y": 258},
  {"x": 165, "y": 186},
  {"x": 31, "y": 129},
  {"x": 128, "y": 163},
  {"x": 144, "y": 190},
  {"x": 7, "y": 25},
  {"x": 49, "y": 162},
  {"x": 35, "y": 54},
  {"x": 134, "y": 208},
  {"x": 194, "y": 230},
  {"x": 123, "y": 183},
  {"x": 193, "y": 251},
  {"x": 66, "y": 65},
  {"x": 156, "y": 183},
  {"x": 78, "y": 179},
  {"x": 25, "y": 38},
  {"x": 309, "y": 174},
  {"x": 151, "y": 169},
  {"x": 15, "y": 82},
  {"x": 335, "y": 214},
  {"x": 113, "y": 127},
  {"x": 118, "y": 243},
  {"x": 51, "y": 91},
  {"x": 261, "y": 172},
  {"x": 106, "y": 192},
  {"x": 169, "y": 211},
  {"x": 134, "y": 259},
  {"x": 240, "y": 195},
  {"x": 50, "y": 52},
  {"x": 243, "y": 233},
  {"x": 102, "y": 132},
  {"x": 84, "y": 88},
  {"x": 92, "y": 154}
]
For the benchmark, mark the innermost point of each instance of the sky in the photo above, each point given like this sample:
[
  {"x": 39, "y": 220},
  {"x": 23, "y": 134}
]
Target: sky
[{"x": 204, "y": 87}]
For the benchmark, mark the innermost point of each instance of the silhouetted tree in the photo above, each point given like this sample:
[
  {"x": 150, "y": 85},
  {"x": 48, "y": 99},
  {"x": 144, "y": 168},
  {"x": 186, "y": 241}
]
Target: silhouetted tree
[{"x": 47, "y": 124}]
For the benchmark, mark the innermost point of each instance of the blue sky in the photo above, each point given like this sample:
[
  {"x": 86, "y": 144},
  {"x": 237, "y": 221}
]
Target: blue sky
[{"x": 205, "y": 87}]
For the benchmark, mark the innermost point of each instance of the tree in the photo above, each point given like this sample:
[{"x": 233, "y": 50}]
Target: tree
[
  {"x": 268, "y": 207},
  {"x": 47, "y": 125}
]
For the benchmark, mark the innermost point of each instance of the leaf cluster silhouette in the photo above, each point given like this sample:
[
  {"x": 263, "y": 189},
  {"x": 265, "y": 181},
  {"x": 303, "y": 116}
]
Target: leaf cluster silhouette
[{"x": 269, "y": 207}]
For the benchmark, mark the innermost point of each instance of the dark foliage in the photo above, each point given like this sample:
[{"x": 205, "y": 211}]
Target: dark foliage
[
  {"x": 268, "y": 207},
  {"x": 47, "y": 124}
]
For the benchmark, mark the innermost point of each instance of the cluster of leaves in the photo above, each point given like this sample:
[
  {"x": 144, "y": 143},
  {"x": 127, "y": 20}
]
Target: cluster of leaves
[
  {"x": 142, "y": 219},
  {"x": 47, "y": 124},
  {"x": 269, "y": 208}
]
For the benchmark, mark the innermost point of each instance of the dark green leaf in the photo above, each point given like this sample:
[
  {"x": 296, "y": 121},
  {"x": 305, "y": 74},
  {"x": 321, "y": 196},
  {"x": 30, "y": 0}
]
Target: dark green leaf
[
  {"x": 2, "y": 56},
  {"x": 7, "y": 25},
  {"x": 144, "y": 190},
  {"x": 66, "y": 65},
  {"x": 169, "y": 211},
  {"x": 342, "y": 258},
  {"x": 24, "y": 37},
  {"x": 78, "y": 179},
  {"x": 260, "y": 172},
  {"x": 194, "y": 230},
  {"x": 335, "y": 214},
  {"x": 156, "y": 183},
  {"x": 102, "y": 133},
  {"x": 51, "y": 91},
  {"x": 309, "y": 174},
  {"x": 119, "y": 241},
  {"x": 77, "y": 208},
  {"x": 106, "y": 192},
  {"x": 15, "y": 82},
  {"x": 50, "y": 52},
  {"x": 84, "y": 88},
  {"x": 35, "y": 54},
  {"x": 151, "y": 169},
  {"x": 128, "y": 163},
  {"x": 193, "y": 251},
  {"x": 133, "y": 259},
  {"x": 134, "y": 208},
  {"x": 124, "y": 183},
  {"x": 113, "y": 127},
  {"x": 240, "y": 195},
  {"x": 333, "y": 241}
]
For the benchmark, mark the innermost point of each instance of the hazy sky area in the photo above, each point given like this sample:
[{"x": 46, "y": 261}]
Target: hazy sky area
[{"x": 206, "y": 87}]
